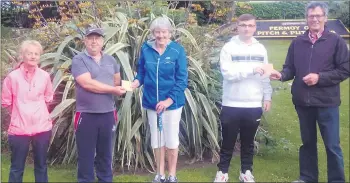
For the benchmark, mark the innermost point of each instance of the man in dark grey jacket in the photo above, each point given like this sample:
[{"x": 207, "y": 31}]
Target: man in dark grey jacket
[{"x": 317, "y": 61}]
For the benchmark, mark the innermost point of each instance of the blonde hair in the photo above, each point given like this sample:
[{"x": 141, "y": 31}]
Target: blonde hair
[
  {"x": 27, "y": 43},
  {"x": 22, "y": 48}
]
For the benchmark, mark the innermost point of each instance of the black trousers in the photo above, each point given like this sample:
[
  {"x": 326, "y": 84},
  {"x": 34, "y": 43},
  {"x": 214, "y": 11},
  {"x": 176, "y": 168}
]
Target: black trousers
[
  {"x": 19, "y": 145},
  {"x": 94, "y": 134},
  {"x": 235, "y": 120}
]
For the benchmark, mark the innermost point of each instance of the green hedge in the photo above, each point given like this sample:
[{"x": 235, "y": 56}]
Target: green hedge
[
  {"x": 274, "y": 10},
  {"x": 293, "y": 10},
  {"x": 340, "y": 10}
]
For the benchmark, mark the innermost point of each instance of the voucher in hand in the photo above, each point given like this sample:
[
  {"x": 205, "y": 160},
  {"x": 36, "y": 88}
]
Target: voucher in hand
[
  {"x": 268, "y": 68},
  {"x": 126, "y": 85}
]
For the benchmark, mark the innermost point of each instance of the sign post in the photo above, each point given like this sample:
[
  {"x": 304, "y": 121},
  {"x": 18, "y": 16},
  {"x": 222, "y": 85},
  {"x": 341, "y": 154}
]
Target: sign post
[{"x": 294, "y": 28}]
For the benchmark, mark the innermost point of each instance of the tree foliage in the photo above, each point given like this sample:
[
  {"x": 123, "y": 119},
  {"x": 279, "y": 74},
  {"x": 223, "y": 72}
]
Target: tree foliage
[
  {"x": 341, "y": 11},
  {"x": 273, "y": 10}
]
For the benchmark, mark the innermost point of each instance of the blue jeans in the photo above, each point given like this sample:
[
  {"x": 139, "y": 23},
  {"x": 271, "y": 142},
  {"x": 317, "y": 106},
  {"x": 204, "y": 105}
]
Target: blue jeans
[
  {"x": 328, "y": 122},
  {"x": 19, "y": 145}
]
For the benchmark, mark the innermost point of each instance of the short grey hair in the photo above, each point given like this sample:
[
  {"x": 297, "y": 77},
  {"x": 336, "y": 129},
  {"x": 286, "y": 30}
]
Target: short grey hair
[
  {"x": 25, "y": 45},
  {"x": 28, "y": 43},
  {"x": 162, "y": 23},
  {"x": 314, "y": 4}
]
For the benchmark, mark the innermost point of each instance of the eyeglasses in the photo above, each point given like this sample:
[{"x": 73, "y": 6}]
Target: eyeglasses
[
  {"x": 311, "y": 17},
  {"x": 244, "y": 25}
]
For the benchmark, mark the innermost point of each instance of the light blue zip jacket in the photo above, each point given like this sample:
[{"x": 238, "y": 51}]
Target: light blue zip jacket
[{"x": 163, "y": 76}]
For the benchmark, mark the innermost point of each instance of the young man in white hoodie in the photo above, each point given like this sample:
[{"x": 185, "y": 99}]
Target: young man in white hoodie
[{"x": 246, "y": 94}]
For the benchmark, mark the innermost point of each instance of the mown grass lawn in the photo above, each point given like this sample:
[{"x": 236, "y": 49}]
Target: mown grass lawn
[{"x": 276, "y": 165}]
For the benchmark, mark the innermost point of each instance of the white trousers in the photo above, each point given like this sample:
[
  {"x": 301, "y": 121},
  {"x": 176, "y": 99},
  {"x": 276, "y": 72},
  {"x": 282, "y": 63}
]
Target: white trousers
[{"x": 171, "y": 124}]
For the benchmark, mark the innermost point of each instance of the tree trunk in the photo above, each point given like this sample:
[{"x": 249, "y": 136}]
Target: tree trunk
[
  {"x": 188, "y": 11},
  {"x": 232, "y": 13}
]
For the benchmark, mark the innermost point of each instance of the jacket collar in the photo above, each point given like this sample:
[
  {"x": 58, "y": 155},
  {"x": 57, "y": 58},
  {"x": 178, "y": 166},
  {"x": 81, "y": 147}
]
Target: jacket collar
[
  {"x": 238, "y": 41},
  {"x": 152, "y": 43},
  {"x": 87, "y": 53},
  {"x": 25, "y": 70},
  {"x": 324, "y": 36},
  {"x": 28, "y": 75}
]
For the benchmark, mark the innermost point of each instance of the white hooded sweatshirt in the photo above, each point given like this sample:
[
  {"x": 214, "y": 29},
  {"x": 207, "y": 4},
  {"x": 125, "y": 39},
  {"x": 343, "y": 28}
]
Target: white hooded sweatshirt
[{"x": 241, "y": 87}]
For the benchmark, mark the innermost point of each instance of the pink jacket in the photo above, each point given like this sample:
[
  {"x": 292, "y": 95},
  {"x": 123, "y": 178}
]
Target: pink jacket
[{"x": 28, "y": 94}]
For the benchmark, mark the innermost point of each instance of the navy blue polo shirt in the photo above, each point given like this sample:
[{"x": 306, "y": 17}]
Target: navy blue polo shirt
[{"x": 87, "y": 101}]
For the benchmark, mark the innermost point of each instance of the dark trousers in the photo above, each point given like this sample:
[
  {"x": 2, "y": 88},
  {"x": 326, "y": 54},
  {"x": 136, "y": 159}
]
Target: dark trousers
[
  {"x": 94, "y": 132},
  {"x": 233, "y": 121},
  {"x": 328, "y": 122},
  {"x": 19, "y": 146}
]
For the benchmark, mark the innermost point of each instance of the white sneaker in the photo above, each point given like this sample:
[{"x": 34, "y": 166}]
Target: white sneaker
[
  {"x": 221, "y": 177},
  {"x": 298, "y": 181},
  {"x": 246, "y": 177}
]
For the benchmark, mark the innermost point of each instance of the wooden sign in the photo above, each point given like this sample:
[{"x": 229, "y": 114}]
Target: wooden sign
[{"x": 293, "y": 28}]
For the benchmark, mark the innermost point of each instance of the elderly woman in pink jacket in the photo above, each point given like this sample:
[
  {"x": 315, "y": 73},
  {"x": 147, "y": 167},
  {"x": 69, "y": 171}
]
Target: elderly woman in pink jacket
[{"x": 26, "y": 92}]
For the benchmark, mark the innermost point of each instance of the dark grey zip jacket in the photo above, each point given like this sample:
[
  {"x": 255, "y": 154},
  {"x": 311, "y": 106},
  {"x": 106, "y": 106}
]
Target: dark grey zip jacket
[{"x": 328, "y": 57}]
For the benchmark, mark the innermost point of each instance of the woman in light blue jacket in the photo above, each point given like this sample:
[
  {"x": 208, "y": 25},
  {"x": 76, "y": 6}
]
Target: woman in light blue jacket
[{"x": 162, "y": 70}]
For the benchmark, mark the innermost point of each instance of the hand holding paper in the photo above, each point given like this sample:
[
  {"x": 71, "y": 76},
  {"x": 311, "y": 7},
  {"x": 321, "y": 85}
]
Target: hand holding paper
[
  {"x": 268, "y": 69},
  {"x": 135, "y": 84},
  {"x": 275, "y": 75},
  {"x": 264, "y": 70},
  {"x": 126, "y": 85}
]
